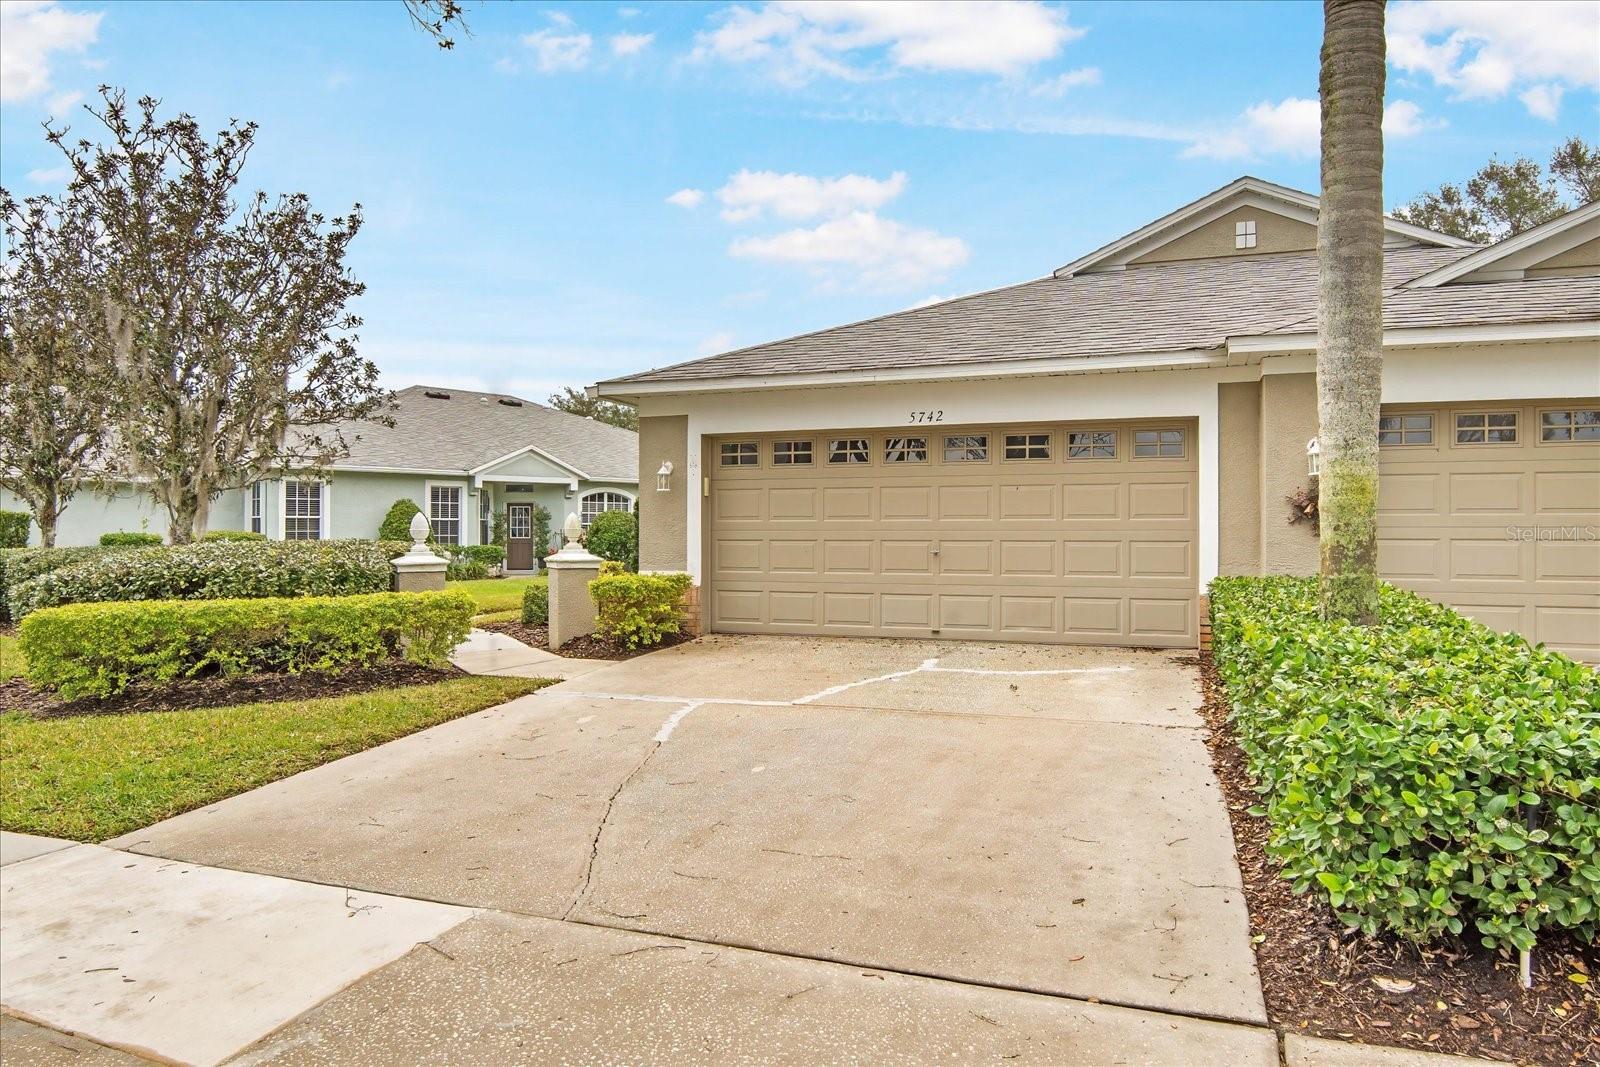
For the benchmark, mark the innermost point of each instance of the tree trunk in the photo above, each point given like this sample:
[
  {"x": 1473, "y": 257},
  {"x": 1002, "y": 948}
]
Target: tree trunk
[
  {"x": 1350, "y": 324},
  {"x": 45, "y": 517}
]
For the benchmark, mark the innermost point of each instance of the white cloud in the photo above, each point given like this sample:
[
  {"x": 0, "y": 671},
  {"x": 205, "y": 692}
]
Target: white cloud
[
  {"x": 687, "y": 198},
  {"x": 1293, "y": 127},
  {"x": 560, "y": 18},
  {"x": 1483, "y": 49},
  {"x": 749, "y": 194},
  {"x": 876, "y": 252},
  {"x": 554, "y": 51},
  {"x": 53, "y": 176},
  {"x": 1061, "y": 84},
  {"x": 800, "y": 39},
  {"x": 30, "y": 30},
  {"x": 61, "y": 103},
  {"x": 717, "y": 342},
  {"x": 629, "y": 12},
  {"x": 630, "y": 44}
]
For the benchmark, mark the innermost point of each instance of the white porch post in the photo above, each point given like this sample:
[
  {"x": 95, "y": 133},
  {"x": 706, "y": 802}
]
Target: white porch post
[{"x": 1209, "y": 489}]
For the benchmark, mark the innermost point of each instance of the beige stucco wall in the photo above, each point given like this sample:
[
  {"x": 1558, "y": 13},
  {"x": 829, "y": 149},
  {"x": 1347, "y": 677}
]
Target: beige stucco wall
[
  {"x": 1239, "y": 478},
  {"x": 664, "y": 517},
  {"x": 1578, "y": 261},
  {"x": 1288, "y": 421},
  {"x": 1274, "y": 233}
]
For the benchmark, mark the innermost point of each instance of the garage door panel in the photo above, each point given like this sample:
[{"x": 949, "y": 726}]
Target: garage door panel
[
  {"x": 738, "y": 606},
  {"x": 1474, "y": 559},
  {"x": 1093, "y": 559},
  {"x": 969, "y": 502},
  {"x": 1095, "y": 615},
  {"x": 1149, "y": 617},
  {"x": 735, "y": 557},
  {"x": 1572, "y": 628},
  {"x": 1027, "y": 616},
  {"x": 792, "y": 505},
  {"x": 1496, "y": 492},
  {"x": 1159, "y": 500},
  {"x": 1093, "y": 503},
  {"x": 791, "y": 608},
  {"x": 738, "y": 505},
  {"x": 908, "y": 610},
  {"x": 967, "y": 558},
  {"x": 907, "y": 557},
  {"x": 793, "y": 556},
  {"x": 965, "y": 612},
  {"x": 847, "y": 557},
  {"x": 1408, "y": 494},
  {"x": 1028, "y": 558},
  {"x": 843, "y": 503},
  {"x": 1569, "y": 561},
  {"x": 1027, "y": 502},
  {"x": 1159, "y": 559},
  {"x": 906, "y": 503},
  {"x": 1408, "y": 557},
  {"x": 1567, "y": 492},
  {"x": 852, "y": 610}
]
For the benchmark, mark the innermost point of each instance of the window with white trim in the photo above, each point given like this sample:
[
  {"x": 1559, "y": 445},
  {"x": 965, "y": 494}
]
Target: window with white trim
[
  {"x": 792, "y": 453},
  {"x": 738, "y": 454},
  {"x": 597, "y": 503},
  {"x": 1149, "y": 444},
  {"x": 1244, "y": 234},
  {"x": 1027, "y": 446},
  {"x": 1092, "y": 444},
  {"x": 444, "y": 513},
  {"x": 905, "y": 450},
  {"x": 1486, "y": 428},
  {"x": 302, "y": 510},
  {"x": 1405, "y": 430},
  {"x": 258, "y": 508},
  {"x": 1575, "y": 424},
  {"x": 485, "y": 517},
  {"x": 849, "y": 450},
  {"x": 967, "y": 448}
]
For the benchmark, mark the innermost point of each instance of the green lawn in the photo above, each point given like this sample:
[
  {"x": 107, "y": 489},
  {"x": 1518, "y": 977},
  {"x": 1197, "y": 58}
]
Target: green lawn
[
  {"x": 495, "y": 594},
  {"x": 12, "y": 665},
  {"x": 94, "y": 777}
]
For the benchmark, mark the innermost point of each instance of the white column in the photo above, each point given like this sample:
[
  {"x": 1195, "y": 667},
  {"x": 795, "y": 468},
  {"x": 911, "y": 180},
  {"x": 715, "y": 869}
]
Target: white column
[
  {"x": 1209, "y": 490},
  {"x": 694, "y": 500}
]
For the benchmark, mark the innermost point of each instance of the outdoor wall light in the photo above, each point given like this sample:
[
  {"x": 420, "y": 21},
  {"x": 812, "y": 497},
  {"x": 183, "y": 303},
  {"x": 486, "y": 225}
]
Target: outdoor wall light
[
  {"x": 1313, "y": 458},
  {"x": 664, "y": 477}
]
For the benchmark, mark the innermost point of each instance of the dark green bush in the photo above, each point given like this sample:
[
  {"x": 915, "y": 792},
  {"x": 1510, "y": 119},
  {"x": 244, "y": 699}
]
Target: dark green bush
[
  {"x": 232, "y": 535},
  {"x": 17, "y": 565},
  {"x": 98, "y": 650},
  {"x": 14, "y": 529},
  {"x": 214, "y": 570},
  {"x": 468, "y": 562},
  {"x": 1427, "y": 774},
  {"x": 614, "y": 535},
  {"x": 536, "y": 603},
  {"x": 541, "y": 534},
  {"x": 129, "y": 539},
  {"x": 396, "y": 525},
  {"x": 638, "y": 609}
]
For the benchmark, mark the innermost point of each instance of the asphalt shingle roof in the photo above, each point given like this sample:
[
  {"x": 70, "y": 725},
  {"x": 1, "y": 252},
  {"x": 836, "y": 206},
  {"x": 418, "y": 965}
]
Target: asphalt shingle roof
[
  {"x": 469, "y": 429},
  {"x": 1183, "y": 306}
]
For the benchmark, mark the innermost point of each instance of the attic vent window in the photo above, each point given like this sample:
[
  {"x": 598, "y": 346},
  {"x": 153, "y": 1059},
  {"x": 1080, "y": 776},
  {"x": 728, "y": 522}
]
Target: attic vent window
[
  {"x": 435, "y": 394},
  {"x": 1244, "y": 234},
  {"x": 510, "y": 402}
]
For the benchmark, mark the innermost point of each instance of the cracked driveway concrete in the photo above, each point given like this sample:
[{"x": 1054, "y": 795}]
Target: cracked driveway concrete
[{"x": 1025, "y": 817}]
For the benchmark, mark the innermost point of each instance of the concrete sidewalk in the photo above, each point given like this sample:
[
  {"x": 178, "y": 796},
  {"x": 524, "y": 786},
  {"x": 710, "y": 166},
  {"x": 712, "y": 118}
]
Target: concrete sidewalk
[{"x": 490, "y": 652}]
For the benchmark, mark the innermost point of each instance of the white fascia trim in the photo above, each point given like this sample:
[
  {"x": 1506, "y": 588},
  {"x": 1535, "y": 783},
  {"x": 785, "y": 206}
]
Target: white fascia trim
[
  {"x": 1188, "y": 358},
  {"x": 1427, "y": 337},
  {"x": 364, "y": 469},
  {"x": 536, "y": 450},
  {"x": 1509, "y": 247},
  {"x": 512, "y": 479}
]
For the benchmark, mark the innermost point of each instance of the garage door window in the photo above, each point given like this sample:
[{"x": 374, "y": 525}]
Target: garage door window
[
  {"x": 1486, "y": 428},
  {"x": 1092, "y": 444},
  {"x": 1575, "y": 425},
  {"x": 738, "y": 454},
  {"x": 1151, "y": 444},
  {"x": 849, "y": 450},
  {"x": 967, "y": 448},
  {"x": 1027, "y": 446},
  {"x": 1405, "y": 430},
  {"x": 905, "y": 450},
  {"x": 791, "y": 453}
]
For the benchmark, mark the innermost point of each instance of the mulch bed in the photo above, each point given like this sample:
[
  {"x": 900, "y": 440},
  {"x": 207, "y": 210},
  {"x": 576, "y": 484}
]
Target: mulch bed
[
  {"x": 1320, "y": 977},
  {"x": 18, "y": 695},
  {"x": 586, "y": 647}
]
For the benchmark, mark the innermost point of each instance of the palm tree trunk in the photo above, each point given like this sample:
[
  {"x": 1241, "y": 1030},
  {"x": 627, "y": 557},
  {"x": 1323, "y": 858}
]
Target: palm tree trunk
[{"x": 1350, "y": 324}]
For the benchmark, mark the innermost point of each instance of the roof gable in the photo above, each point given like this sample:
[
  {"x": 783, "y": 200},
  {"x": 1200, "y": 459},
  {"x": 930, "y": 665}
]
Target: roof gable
[
  {"x": 1285, "y": 221},
  {"x": 1565, "y": 244}
]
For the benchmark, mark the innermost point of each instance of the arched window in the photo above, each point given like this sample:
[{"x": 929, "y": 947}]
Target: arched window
[{"x": 593, "y": 504}]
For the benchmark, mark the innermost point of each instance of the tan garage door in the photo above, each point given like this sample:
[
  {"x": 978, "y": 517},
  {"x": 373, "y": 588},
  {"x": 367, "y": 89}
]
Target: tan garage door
[
  {"x": 1078, "y": 533},
  {"x": 1495, "y": 509}
]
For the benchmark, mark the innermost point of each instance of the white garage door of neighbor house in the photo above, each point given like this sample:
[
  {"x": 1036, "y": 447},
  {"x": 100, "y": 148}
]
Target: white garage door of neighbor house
[
  {"x": 1079, "y": 533},
  {"x": 1494, "y": 508}
]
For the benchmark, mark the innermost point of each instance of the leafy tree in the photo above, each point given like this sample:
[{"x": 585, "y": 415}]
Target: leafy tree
[
  {"x": 576, "y": 402},
  {"x": 614, "y": 535},
  {"x": 234, "y": 352},
  {"x": 1350, "y": 298},
  {"x": 1503, "y": 199},
  {"x": 53, "y": 354}
]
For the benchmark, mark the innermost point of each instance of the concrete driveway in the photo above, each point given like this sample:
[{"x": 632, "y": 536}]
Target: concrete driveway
[{"x": 1014, "y": 817}]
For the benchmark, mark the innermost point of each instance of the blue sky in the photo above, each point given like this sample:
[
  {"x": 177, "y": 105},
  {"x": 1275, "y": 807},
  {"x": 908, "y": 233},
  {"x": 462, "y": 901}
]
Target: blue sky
[{"x": 579, "y": 191}]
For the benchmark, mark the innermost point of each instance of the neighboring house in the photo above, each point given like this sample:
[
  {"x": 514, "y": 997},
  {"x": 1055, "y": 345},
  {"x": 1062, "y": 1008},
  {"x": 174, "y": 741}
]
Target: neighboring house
[
  {"x": 1072, "y": 459},
  {"x": 461, "y": 456}
]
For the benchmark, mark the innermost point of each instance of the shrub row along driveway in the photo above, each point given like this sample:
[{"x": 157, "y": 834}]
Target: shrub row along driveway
[{"x": 1025, "y": 818}]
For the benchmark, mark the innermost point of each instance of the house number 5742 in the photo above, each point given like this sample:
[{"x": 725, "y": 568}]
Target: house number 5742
[{"x": 927, "y": 416}]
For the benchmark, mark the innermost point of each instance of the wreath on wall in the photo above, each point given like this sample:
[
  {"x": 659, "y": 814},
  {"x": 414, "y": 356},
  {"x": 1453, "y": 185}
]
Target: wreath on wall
[{"x": 1303, "y": 507}]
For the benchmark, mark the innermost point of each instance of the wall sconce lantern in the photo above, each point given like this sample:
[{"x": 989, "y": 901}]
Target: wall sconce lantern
[
  {"x": 664, "y": 477},
  {"x": 1313, "y": 458}
]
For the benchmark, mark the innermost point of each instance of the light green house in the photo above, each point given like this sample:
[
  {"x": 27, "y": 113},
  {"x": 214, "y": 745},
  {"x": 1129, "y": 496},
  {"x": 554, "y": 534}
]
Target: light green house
[{"x": 463, "y": 457}]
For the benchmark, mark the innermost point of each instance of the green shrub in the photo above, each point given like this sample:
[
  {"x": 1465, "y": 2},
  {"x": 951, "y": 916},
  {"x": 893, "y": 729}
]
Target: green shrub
[
  {"x": 396, "y": 524},
  {"x": 129, "y": 539},
  {"x": 638, "y": 609},
  {"x": 14, "y": 529},
  {"x": 214, "y": 570},
  {"x": 614, "y": 535},
  {"x": 17, "y": 565},
  {"x": 1427, "y": 774},
  {"x": 541, "y": 534},
  {"x": 610, "y": 567},
  {"x": 470, "y": 562},
  {"x": 536, "y": 603},
  {"x": 232, "y": 535},
  {"x": 98, "y": 650}
]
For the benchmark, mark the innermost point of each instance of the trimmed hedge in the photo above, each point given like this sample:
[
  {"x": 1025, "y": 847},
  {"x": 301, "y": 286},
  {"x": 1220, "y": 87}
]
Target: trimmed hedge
[
  {"x": 468, "y": 562},
  {"x": 614, "y": 535},
  {"x": 130, "y": 539},
  {"x": 536, "y": 603},
  {"x": 1427, "y": 774},
  {"x": 396, "y": 524},
  {"x": 98, "y": 650},
  {"x": 232, "y": 535},
  {"x": 638, "y": 609},
  {"x": 17, "y": 565},
  {"x": 213, "y": 570},
  {"x": 13, "y": 529}
]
